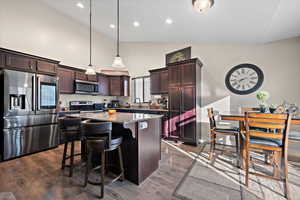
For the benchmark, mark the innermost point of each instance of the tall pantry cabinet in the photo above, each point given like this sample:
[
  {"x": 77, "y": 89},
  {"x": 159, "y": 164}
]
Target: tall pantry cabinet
[{"x": 184, "y": 100}]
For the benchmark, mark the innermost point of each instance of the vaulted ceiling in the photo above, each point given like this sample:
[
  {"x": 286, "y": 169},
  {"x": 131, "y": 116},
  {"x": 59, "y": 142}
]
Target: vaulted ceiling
[{"x": 228, "y": 21}]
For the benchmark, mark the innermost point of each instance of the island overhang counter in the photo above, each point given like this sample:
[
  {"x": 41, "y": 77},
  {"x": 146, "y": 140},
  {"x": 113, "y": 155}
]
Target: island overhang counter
[{"x": 141, "y": 147}]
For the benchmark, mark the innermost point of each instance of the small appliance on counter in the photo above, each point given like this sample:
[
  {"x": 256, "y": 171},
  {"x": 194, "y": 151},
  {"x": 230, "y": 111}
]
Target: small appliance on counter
[
  {"x": 114, "y": 104},
  {"x": 99, "y": 106},
  {"x": 86, "y": 106}
]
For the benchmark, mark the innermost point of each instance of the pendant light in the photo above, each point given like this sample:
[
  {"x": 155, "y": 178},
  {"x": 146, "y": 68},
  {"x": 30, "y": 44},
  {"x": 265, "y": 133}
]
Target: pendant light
[
  {"x": 90, "y": 70},
  {"x": 202, "y": 5},
  {"x": 118, "y": 63}
]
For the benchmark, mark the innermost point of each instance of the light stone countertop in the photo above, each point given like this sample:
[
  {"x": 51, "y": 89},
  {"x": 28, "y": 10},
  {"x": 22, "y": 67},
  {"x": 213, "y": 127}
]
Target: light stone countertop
[{"x": 117, "y": 117}]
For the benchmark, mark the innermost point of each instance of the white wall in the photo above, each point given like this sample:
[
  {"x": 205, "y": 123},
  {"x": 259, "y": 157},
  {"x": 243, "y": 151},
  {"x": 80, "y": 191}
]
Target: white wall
[
  {"x": 280, "y": 62},
  {"x": 32, "y": 27}
]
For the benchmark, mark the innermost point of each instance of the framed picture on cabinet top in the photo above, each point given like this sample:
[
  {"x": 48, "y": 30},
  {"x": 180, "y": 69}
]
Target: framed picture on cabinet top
[{"x": 179, "y": 55}]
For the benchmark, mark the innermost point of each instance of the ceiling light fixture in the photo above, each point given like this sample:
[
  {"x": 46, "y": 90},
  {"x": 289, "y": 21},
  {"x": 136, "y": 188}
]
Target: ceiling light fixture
[
  {"x": 202, "y": 5},
  {"x": 80, "y": 5},
  {"x": 169, "y": 21},
  {"x": 118, "y": 63},
  {"x": 136, "y": 24},
  {"x": 90, "y": 70},
  {"x": 112, "y": 26}
]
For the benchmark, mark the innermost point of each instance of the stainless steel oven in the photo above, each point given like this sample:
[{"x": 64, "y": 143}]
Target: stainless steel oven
[{"x": 86, "y": 87}]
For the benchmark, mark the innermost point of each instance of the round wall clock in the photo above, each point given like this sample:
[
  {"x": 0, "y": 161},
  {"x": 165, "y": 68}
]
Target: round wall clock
[{"x": 244, "y": 79}]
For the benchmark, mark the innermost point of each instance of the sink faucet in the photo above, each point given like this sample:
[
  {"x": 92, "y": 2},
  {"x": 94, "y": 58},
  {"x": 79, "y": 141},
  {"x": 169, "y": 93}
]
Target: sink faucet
[{"x": 138, "y": 101}]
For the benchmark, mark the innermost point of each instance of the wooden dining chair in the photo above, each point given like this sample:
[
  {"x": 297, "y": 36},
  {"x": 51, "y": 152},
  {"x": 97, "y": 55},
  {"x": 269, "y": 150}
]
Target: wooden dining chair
[
  {"x": 274, "y": 140},
  {"x": 294, "y": 137},
  {"x": 215, "y": 130}
]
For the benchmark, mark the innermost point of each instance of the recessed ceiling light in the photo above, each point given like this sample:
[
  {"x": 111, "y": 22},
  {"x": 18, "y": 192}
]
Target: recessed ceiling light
[
  {"x": 169, "y": 21},
  {"x": 112, "y": 26},
  {"x": 80, "y": 5},
  {"x": 136, "y": 24}
]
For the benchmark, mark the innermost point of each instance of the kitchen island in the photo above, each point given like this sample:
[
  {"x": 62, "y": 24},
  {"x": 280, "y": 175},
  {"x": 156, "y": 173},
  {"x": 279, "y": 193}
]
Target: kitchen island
[{"x": 141, "y": 141}]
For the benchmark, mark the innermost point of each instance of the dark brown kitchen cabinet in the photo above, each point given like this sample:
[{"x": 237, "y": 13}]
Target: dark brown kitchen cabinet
[
  {"x": 184, "y": 100},
  {"x": 188, "y": 74},
  {"x": 103, "y": 85},
  {"x": 46, "y": 67},
  {"x": 115, "y": 85},
  {"x": 164, "y": 81},
  {"x": 159, "y": 81},
  {"x": 19, "y": 62},
  {"x": 155, "y": 82},
  {"x": 92, "y": 78},
  {"x": 119, "y": 85},
  {"x": 2, "y": 59},
  {"x": 174, "y": 112},
  {"x": 188, "y": 114},
  {"x": 66, "y": 80},
  {"x": 81, "y": 76},
  {"x": 174, "y": 76}
]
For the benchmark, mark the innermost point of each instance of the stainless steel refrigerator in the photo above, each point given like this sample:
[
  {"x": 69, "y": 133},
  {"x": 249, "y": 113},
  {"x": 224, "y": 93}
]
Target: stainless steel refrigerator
[{"x": 29, "y": 112}]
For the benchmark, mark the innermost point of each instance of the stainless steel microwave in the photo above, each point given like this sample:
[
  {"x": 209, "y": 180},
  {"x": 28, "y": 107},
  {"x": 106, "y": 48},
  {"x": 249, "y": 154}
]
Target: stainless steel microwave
[{"x": 86, "y": 87}]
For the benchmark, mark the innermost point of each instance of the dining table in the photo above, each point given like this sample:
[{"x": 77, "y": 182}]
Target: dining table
[{"x": 240, "y": 116}]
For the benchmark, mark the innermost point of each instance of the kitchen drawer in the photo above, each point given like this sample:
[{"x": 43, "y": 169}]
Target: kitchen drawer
[{"x": 21, "y": 141}]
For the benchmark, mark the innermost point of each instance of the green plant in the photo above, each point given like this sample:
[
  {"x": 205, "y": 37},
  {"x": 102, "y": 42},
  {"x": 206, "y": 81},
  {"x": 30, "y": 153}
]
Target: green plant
[
  {"x": 263, "y": 96},
  {"x": 263, "y": 105},
  {"x": 273, "y": 106}
]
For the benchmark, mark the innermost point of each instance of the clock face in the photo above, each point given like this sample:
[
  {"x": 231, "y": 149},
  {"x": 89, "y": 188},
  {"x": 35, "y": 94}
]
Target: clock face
[{"x": 244, "y": 79}]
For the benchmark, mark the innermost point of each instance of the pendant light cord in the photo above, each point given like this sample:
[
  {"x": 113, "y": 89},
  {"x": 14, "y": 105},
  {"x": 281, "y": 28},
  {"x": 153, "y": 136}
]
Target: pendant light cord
[
  {"x": 90, "y": 33},
  {"x": 118, "y": 24}
]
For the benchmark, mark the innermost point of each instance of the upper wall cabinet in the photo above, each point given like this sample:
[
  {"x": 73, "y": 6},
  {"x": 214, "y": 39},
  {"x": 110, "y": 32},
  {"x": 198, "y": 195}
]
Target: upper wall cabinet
[
  {"x": 66, "y": 80},
  {"x": 46, "y": 67},
  {"x": 14, "y": 60},
  {"x": 79, "y": 75},
  {"x": 18, "y": 62},
  {"x": 103, "y": 84},
  {"x": 115, "y": 85},
  {"x": 159, "y": 81},
  {"x": 119, "y": 85},
  {"x": 2, "y": 60},
  {"x": 92, "y": 78}
]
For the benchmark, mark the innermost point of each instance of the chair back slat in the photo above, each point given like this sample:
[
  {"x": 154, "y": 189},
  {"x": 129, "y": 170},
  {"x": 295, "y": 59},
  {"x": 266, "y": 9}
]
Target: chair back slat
[
  {"x": 267, "y": 125},
  {"x": 277, "y": 136},
  {"x": 267, "y": 116}
]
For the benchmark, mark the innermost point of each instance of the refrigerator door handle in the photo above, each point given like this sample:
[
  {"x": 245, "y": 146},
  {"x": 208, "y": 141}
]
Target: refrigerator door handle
[
  {"x": 33, "y": 93},
  {"x": 38, "y": 94}
]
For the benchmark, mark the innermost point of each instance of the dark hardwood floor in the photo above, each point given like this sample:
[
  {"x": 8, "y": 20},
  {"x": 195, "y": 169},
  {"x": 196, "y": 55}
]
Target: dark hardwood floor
[{"x": 39, "y": 177}]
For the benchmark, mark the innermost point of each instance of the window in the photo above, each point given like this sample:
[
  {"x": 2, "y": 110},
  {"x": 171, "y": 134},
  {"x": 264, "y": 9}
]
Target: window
[{"x": 142, "y": 89}]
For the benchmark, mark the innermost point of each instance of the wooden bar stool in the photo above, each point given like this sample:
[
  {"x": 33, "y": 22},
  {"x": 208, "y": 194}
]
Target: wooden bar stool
[
  {"x": 71, "y": 131},
  {"x": 275, "y": 139},
  {"x": 214, "y": 131},
  {"x": 99, "y": 139}
]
